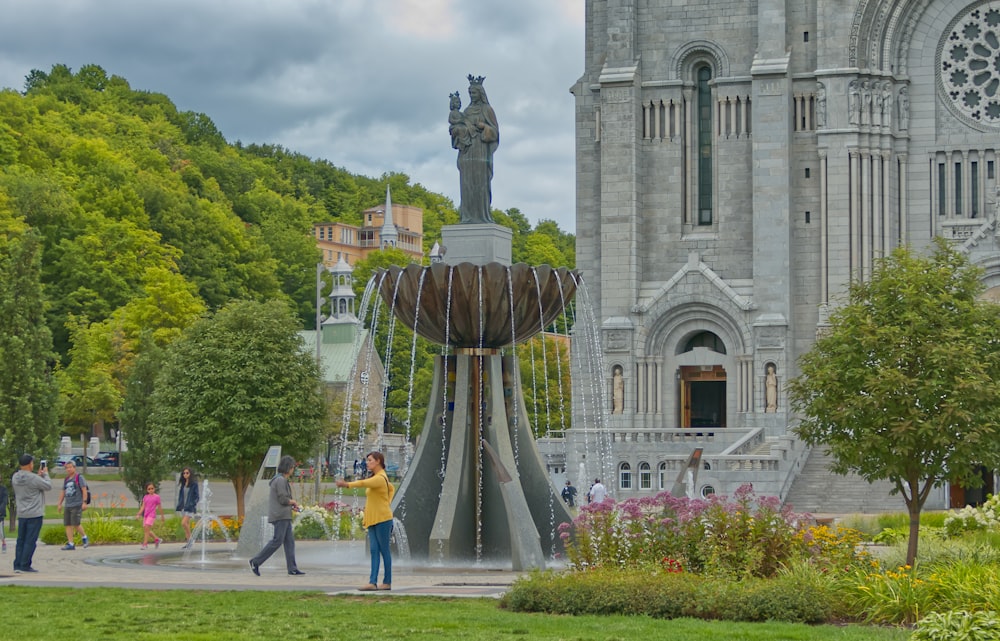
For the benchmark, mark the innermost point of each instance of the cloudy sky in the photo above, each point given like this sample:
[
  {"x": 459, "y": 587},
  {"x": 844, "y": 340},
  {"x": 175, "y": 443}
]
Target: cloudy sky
[{"x": 361, "y": 83}]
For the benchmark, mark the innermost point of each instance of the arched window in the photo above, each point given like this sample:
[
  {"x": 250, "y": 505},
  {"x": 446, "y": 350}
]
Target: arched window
[
  {"x": 661, "y": 470},
  {"x": 625, "y": 476},
  {"x": 645, "y": 477},
  {"x": 703, "y": 76},
  {"x": 705, "y": 339}
]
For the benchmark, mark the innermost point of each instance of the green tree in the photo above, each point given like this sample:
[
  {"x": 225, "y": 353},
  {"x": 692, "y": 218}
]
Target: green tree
[
  {"x": 905, "y": 386},
  {"x": 233, "y": 385},
  {"x": 145, "y": 461},
  {"x": 28, "y": 393}
]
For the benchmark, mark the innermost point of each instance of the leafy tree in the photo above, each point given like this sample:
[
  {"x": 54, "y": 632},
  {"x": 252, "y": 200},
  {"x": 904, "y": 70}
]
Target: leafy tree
[
  {"x": 28, "y": 393},
  {"x": 233, "y": 385},
  {"x": 905, "y": 386},
  {"x": 145, "y": 461},
  {"x": 88, "y": 385}
]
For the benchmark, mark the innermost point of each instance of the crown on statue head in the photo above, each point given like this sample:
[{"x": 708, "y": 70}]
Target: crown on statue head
[
  {"x": 455, "y": 95},
  {"x": 476, "y": 80}
]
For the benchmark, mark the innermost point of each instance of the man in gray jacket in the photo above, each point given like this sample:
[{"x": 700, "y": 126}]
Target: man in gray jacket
[{"x": 29, "y": 494}]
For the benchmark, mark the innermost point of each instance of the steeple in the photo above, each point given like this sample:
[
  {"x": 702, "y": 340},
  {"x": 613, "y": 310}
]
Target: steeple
[
  {"x": 390, "y": 237},
  {"x": 342, "y": 324}
]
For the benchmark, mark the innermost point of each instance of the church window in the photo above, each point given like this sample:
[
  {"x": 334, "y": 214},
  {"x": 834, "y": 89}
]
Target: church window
[
  {"x": 942, "y": 194},
  {"x": 645, "y": 477},
  {"x": 969, "y": 78},
  {"x": 661, "y": 470},
  {"x": 974, "y": 184},
  {"x": 958, "y": 188},
  {"x": 705, "y": 339},
  {"x": 625, "y": 476},
  {"x": 704, "y": 146}
]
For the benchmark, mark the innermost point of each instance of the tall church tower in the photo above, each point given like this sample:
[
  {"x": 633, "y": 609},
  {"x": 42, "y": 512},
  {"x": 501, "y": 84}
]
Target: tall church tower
[{"x": 738, "y": 164}]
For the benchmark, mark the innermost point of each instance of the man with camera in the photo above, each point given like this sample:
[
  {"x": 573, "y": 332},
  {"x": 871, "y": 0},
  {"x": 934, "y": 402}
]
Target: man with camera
[{"x": 29, "y": 494}]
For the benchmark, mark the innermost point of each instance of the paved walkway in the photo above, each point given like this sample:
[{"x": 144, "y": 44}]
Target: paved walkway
[{"x": 330, "y": 567}]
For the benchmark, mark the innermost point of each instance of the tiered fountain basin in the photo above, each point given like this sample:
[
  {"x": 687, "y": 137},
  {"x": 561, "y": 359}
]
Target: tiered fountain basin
[{"x": 477, "y": 306}]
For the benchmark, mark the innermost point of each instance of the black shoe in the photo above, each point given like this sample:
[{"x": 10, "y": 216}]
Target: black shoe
[
  {"x": 29, "y": 570},
  {"x": 296, "y": 572},
  {"x": 255, "y": 568}
]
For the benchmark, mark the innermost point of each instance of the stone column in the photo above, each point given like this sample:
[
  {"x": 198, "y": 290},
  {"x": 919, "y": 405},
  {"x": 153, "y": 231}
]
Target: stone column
[{"x": 772, "y": 140}]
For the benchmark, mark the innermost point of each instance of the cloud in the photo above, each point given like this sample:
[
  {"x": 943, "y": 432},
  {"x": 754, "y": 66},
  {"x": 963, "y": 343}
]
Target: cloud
[{"x": 361, "y": 83}]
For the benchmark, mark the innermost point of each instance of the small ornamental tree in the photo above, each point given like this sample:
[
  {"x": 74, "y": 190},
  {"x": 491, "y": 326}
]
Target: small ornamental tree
[
  {"x": 231, "y": 386},
  {"x": 905, "y": 385}
]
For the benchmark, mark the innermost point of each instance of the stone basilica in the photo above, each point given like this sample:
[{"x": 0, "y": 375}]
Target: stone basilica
[{"x": 738, "y": 163}]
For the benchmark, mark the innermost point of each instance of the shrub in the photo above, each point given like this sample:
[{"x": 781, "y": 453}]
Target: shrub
[
  {"x": 669, "y": 595},
  {"x": 958, "y": 625},
  {"x": 746, "y": 536},
  {"x": 969, "y": 519}
]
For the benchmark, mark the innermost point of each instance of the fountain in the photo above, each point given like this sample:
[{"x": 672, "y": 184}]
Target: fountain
[
  {"x": 202, "y": 529},
  {"x": 494, "y": 499},
  {"x": 476, "y": 487}
]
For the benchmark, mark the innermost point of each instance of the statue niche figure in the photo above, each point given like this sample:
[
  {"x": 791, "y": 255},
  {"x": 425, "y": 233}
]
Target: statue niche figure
[{"x": 476, "y": 135}]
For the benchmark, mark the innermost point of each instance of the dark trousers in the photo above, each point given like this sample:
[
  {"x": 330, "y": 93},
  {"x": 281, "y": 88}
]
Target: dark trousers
[
  {"x": 27, "y": 538},
  {"x": 283, "y": 535}
]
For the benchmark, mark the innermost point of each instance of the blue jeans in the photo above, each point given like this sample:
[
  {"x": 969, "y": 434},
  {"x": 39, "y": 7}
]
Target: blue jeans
[
  {"x": 378, "y": 538},
  {"x": 27, "y": 538}
]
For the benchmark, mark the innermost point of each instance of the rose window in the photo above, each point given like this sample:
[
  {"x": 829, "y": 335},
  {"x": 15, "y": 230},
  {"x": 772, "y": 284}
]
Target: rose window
[{"x": 969, "y": 64}]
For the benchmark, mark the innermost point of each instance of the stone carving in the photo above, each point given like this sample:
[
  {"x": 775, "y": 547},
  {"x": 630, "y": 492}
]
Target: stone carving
[
  {"x": 820, "y": 105},
  {"x": 866, "y": 103},
  {"x": 476, "y": 135},
  {"x": 904, "y": 108},
  {"x": 771, "y": 390},
  {"x": 618, "y": 389},
  {"x": 887, "y": 104},
  {"x": 853, "y": 103},
  {"x": 879, "y": 104}
]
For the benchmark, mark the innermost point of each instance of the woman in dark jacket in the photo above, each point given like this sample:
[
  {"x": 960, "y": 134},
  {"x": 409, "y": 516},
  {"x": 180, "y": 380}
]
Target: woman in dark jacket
[{"x": 187, "y": 501}]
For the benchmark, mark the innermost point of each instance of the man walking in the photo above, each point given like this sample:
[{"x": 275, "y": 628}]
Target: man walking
[
  {"x": 29, "y": 495},
  {"x": 75, "y": 493}
]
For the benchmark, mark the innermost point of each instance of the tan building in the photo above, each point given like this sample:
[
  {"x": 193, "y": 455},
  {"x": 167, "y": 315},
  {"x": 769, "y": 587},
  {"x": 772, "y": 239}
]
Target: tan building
[{"x": 400, "y": 226}]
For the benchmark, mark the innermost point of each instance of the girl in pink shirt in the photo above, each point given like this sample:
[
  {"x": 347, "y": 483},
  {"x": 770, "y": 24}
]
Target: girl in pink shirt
[{"x": 147, "y": 513}]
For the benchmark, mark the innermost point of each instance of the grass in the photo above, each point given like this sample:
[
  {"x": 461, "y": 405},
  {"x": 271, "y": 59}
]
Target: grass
[{"x": 149, "y": 615}]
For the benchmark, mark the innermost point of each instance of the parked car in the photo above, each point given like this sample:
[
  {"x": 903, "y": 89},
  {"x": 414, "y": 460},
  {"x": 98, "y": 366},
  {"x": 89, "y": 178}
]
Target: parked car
[
  {"x": 107, "y": 459},
  {"x": 77, "y": 459}
]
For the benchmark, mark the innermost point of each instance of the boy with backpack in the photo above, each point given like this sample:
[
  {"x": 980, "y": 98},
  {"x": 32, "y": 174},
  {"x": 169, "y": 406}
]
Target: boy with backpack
[{"x": 76, "y": 495}]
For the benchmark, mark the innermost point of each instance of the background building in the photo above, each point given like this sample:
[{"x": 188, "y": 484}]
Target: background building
[
  {"x": 401, "y": 226},
  {"x": 738, "y": 163}
]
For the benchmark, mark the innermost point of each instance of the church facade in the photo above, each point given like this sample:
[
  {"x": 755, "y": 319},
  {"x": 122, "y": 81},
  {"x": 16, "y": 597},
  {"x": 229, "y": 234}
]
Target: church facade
[{"x": 738, "y": 163}]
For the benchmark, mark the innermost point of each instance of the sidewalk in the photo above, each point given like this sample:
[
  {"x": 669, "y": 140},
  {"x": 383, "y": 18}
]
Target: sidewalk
[{"x": 330, "y": 567}]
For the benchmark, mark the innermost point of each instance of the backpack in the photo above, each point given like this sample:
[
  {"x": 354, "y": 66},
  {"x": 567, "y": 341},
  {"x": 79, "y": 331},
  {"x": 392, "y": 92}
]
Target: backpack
[{"x": 80, "y": 487}]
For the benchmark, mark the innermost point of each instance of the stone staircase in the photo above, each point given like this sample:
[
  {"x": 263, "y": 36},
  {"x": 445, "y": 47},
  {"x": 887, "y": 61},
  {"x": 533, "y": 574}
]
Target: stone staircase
[{"x": 817, "y": 490}]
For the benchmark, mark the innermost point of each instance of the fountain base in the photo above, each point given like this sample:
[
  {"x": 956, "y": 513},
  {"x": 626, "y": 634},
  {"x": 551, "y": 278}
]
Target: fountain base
[{"x": 477, "y": 487}]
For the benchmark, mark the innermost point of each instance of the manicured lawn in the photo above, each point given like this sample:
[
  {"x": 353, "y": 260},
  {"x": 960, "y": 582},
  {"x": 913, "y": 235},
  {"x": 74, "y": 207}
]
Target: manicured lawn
[{"x": 46, "y": 614}]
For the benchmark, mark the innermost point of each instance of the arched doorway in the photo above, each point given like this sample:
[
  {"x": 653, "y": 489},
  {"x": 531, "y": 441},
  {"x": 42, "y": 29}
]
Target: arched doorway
[
  {"x": 703, "y": 396},
  {"x": 703, "y": 382}
]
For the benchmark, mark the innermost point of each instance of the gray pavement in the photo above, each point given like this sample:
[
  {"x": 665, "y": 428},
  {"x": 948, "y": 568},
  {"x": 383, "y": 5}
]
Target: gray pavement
[{"x": 331, "y": 567}]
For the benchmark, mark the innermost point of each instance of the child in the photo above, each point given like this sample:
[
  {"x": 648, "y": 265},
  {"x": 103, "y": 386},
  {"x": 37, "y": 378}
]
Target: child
[{"x": 147, "y": 512}]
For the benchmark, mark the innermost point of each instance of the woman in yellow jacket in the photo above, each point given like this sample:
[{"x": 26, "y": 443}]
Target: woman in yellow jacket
[{"x": 378, "y": 518}]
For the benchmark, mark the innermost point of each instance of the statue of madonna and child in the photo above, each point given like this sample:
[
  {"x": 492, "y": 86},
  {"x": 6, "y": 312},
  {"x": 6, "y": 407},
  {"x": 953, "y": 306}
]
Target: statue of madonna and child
[{"x": 475, "y": 133}]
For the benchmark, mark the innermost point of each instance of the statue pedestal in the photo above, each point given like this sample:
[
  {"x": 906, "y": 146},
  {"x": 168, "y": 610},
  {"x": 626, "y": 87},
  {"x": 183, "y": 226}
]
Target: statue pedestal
[{"x": 477, "y": 243}]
